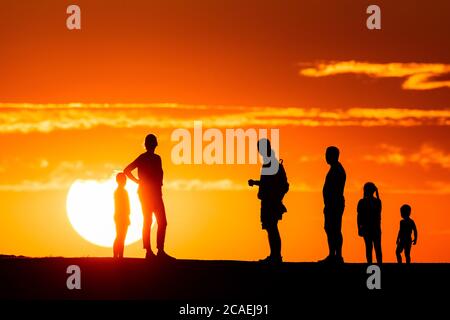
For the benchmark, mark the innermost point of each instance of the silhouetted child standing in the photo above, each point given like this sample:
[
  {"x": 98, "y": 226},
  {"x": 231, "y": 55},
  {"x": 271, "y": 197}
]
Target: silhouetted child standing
[
  {"x": 121, "y": 214},
  {"x": 404, "y": 241},
  {"x": 369, "y": 222}
]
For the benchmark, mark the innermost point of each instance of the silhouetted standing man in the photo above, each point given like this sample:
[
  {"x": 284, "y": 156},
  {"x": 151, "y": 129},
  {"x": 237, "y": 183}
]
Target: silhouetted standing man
[
  {"x": 150, "y": 174},
  {"x": 273, "y": 186},
  {"x": 333, "y": 198}
]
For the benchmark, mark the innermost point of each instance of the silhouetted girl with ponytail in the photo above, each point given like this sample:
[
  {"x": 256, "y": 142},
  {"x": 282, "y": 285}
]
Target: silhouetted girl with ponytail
[{"x": 369, "y": 221}]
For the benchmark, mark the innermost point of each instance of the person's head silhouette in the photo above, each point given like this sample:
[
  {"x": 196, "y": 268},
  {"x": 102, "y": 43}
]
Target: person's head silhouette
[
  {"x": 405, "y": 211},
  {"x": 332, "y": 155},
  {"x": 369, "y": 189},
  {"x": 270, "y": 162},
  {"x": 121, "y": 179},
  {"x": 264, "y": 148},
  {"x": 151, "y": 142}
]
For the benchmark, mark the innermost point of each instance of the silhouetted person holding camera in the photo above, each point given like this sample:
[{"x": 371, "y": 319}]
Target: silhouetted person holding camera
[
  {"x": 369, "y": 221},
  {"x": 273, "y": 185},
  {"x": 121, "y": 214},
  {"x": 150, "y": 180},
  {"x": 333, "y": 198},
  {"x": 404, "y": 241}
]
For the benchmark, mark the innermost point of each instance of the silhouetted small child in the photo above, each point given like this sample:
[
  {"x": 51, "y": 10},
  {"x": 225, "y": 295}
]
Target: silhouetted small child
[
  {"x": 404, "y": 241},
  {"x": 121, "y": 214}
]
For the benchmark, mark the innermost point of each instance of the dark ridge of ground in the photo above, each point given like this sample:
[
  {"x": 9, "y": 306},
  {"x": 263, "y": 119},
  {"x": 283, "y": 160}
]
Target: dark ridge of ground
[{"x": 215, "y": 281}]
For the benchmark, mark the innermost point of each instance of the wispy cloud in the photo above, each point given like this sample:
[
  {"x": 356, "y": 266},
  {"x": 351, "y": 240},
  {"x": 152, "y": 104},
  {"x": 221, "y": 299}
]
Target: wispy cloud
[
  {"x": 204, "y": 185},
  {"x": 58, "y": 177},
  {"x": 198, "y": 185},
  {"x": 387, "y": 155},
  {"x": 429, "y": 188},
  {"x": 62, "y": 175},
  {"x": 65, "y": 173},
  {"x": 224, "y": 185},
  {"x": 417, "y": 76},
  {"x": 310, "y": 158},
  {"x": 64, "y": 182},
  {"x": 19, "y": 118},
  {"x": 426, "y": 156},
  {"x": 34, "y": 186}
]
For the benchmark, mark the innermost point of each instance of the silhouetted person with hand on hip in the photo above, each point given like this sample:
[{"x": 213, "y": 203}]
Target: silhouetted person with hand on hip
[
  {"x": 150, "y": 180},
  {"x": 121, "y": 214},
  {"x": 369, "y": 221},
  {"x": 273, "y": 185},
  {"x": 404, "y": 241},
  {"x": 333, "y": 198}
]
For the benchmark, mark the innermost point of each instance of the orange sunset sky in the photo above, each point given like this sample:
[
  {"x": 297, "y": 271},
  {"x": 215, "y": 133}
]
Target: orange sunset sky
[{"x": 76, "y": 105}]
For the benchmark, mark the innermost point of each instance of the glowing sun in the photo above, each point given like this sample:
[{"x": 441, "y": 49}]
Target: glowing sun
[{"x": 90, "y": 208}]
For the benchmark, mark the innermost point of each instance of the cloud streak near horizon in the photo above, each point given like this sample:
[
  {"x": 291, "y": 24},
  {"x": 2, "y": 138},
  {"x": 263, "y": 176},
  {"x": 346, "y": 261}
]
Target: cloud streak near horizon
[
  {"x": 426, "y": 156},
  {"x": 45, "y": 118},
  {"x": 196, "y": 185},
  {"x": 65, "y": 173},
  {"x": 417, "y": 76}
]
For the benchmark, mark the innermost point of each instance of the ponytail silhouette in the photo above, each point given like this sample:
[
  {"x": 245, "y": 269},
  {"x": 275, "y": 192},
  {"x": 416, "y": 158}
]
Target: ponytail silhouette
[{"x": 369, "y": 189}]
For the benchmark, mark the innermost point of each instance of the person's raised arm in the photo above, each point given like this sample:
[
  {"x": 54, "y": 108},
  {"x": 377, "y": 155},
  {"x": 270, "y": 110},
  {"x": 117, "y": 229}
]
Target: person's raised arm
[
  {"x": 129, "y": 171},
  {"x": 415, "y": 233}
]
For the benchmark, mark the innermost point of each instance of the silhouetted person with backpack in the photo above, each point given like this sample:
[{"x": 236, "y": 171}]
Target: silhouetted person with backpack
[
  {"x": 273, "y": 185},
  {"x": 150, "y": 180},
  {"x": 121, "y": 214},
  {"x": 404, "y": 241},
  {"x": 369, "y": 221},
  {"x": 334, "y": 204}
]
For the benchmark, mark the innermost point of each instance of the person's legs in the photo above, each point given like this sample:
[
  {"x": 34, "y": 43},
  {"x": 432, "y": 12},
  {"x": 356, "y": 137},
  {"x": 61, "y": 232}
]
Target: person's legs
[
  {"x": 408, "y": 253},
  {"x": 116, "y": 242},
  {"x": 115, "y": 250},
  {"x": 368, "y": 242},
  {"x": 147, "y": 211},
  {"x": 146, "y": 231},
  {"x": 274, "y": 240},
  {"x": 377, "y": 245},
  {"x": 161, "y": 220},
  {"x": 121, "y": 240},
  {"x": 330, "y": 236},
  {"x": 339, "y": 240},
  {"x": 398, "y": 252}
]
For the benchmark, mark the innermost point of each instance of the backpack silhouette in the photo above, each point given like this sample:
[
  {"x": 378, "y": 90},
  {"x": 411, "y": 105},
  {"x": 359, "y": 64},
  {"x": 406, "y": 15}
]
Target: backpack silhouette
[{"x": 282, "y": 181}]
